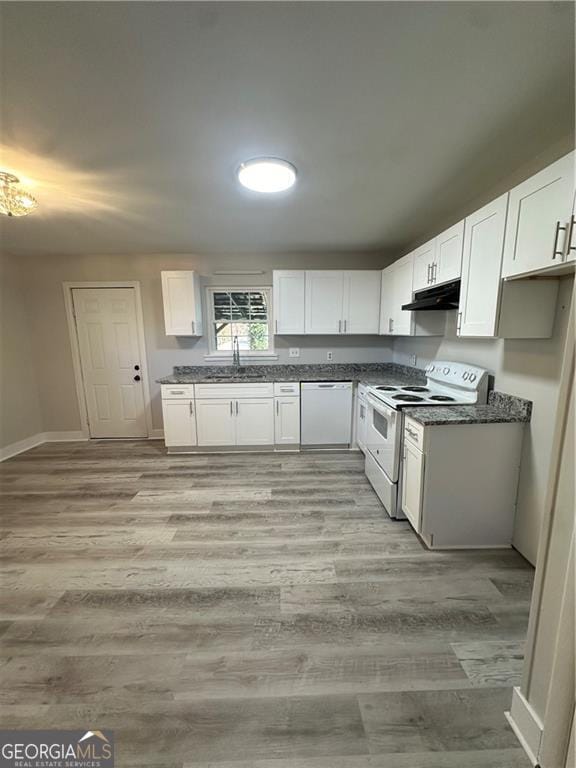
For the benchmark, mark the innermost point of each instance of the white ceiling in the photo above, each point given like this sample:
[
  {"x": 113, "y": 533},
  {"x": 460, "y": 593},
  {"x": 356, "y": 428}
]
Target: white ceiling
[{"x": 131, "y": 118}]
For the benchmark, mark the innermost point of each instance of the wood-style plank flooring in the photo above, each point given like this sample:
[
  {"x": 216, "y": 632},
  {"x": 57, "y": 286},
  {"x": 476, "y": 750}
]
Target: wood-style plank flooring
[{"x": 248, "y": 611}]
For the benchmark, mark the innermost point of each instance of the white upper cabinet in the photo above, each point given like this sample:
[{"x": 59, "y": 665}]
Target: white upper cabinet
[
  {"x": 424, "y": 258},
  {"x": 439, "y": 260},
  {"x": 182, "y": 303},
  {"x": 489, "y": 307},
  {"x": 289, "y": 286},
  {"x": 448, "y": 257},
  {"x": 361, "y": 310},
  {"x": 402, "y": 293},
  {"x": 342, "y": 302},
  {"x": 324, "y": 301},
  {"x": 481, "y": 268},
  {"x": 540, "y": 222}
]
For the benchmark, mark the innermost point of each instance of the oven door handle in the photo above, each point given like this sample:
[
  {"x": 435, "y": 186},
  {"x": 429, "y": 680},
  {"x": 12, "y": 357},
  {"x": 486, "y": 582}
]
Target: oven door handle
[{"x": 379, "y": 406}]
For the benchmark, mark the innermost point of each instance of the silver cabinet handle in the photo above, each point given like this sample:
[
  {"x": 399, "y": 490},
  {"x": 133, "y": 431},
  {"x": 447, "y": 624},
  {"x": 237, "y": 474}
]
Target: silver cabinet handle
[
  {"x": 191, "y": 408},
  {"x": 193, "y": 327},
  {"x": 412, "y": 433},
  {"x": 231, "y": 408},
  {"x": 339, "y": 326},
  {"x": 176, "y": 391},
  {"x": 345, "y": 321},
  {"x": 392, "y": 324},
  {"x": 569, "y": 236},
  {"x": 555, "y": 251},
  {"x": 277, "y": 407},
  {"x": 428, "y": 278},
  {"x": 236, "y": 407},
  {"x": 459, "y": 322},
  {"x": 276, "y": 326},
  {"x": 434, "y": 268},
  {"x": 389, "y": 325}
]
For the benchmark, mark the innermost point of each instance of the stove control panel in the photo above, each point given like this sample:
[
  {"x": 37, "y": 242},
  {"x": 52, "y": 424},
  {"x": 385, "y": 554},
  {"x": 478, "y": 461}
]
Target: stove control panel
[{"x": 462, "y": 375}]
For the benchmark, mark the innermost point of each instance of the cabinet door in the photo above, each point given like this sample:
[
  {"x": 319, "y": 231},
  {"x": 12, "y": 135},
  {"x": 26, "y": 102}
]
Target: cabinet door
[
  {"x": 412, "y": 485},
  {"x": 481, "y": 267},
  {"x": 538, "y": 219},
  {"x": 289, "y": 301},
  {"x": 448, "y": 261},
  {"x": 182, "y": 304},
  {"x": 215, "y": 422},
  {"x": 254, "y": 421},
  {"x": 324, "y": 301},
  {"x": 361, "y": 301},
  {"x": 287, "y": 420},
  {"x": 386, "y": 307},
  {"x": 402, "y": 294},
  {"x": 571, "y": 236},
  {"x": 179, "y": 422},
  {"x": 423, "y": 261},
  {"x": 361, "y": 423}
]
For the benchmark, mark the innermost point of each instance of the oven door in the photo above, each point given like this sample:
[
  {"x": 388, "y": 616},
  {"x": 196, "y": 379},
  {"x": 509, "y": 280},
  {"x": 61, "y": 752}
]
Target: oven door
[{"x": 383, "y": 436}]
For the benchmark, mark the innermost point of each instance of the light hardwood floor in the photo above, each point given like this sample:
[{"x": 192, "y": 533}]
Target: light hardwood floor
[{"x": 248, "y": 611}]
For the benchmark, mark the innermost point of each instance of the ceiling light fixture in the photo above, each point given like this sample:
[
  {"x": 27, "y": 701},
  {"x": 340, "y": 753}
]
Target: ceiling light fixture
[
  {"x": 14, "y": 199},
  {"x": 267, "y": 175}
]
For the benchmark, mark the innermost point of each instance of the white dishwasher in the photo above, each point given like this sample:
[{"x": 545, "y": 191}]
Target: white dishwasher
[{"x": 326, "y": 413}]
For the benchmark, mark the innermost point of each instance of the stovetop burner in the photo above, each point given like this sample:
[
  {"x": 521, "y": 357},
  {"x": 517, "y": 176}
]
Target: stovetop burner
[
  {"x": 415, "y": 389},
  {"x": 408, "y": 398},
  {"x": 443, "y": 398},
  {"x": 384, "y": 388}
]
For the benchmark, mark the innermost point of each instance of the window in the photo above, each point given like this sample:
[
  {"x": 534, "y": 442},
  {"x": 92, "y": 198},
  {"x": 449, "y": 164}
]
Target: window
[{"x": 242, "y": 312}]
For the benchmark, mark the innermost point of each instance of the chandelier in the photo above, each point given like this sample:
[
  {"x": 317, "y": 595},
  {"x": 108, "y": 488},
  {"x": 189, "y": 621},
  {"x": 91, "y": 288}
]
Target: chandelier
[{"x": 14, "y": 199}]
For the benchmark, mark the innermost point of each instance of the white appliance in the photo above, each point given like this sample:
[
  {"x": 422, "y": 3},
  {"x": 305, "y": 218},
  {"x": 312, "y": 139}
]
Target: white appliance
[
  {"x": 446, "y": 384},
  {"x": 326, "y": 413},
  {"x": 361, "y": 416}
]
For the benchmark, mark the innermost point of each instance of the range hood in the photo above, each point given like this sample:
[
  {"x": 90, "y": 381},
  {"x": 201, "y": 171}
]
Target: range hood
[{"x": 440, "y": 297}]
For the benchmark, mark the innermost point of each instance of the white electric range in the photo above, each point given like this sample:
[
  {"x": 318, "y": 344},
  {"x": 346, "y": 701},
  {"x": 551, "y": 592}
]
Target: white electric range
[{"x": 446, "y": 384}]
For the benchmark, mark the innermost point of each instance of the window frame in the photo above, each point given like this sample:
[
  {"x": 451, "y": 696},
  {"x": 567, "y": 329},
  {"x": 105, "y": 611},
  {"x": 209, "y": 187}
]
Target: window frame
[{"x": 213, "y": 352}]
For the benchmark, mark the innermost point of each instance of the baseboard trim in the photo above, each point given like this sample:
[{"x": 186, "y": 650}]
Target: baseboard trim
[
  {"x": 156, "y": 434},
  {"x": 33, "y": 441},
  {"x": 526, "y": 725}
]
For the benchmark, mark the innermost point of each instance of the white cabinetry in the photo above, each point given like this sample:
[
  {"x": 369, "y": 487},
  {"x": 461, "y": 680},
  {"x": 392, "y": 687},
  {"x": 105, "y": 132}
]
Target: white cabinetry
[
  {"x": 324, "y": 301},
  {"x": 289, "y": 286},
  {"x": 179, "y": 422},
  {"x": 439, "y": 260},
  {"x": 540, "y": 222},
  {"x": 235, "y": 414},
  {"x": 488, "y": 307},
  {"x": 215, "y": 420},
  {"x": 459, "y": 482},
  {"x": 342, "y": 302},
  {"x": 396, "y": 291},
  {"x": 254, "y": 421},
  {"x": 182, "y": 303},
  {"x": 287, "y": 415}
]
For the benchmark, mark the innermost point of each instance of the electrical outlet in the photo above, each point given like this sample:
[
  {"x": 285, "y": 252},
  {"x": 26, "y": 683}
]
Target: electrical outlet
[
  {"x": 294, "y": 352},
  {"x": 412, "y": 359},
  {"x": 329, "y": 356}
]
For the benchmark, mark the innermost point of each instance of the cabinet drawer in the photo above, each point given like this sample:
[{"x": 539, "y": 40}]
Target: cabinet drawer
[
  {"x": 414, "y": 433},
  {"x": 282, "y": 388},
  {"x": 177, "y": 391},
  {"x": 235, "y": 391}
]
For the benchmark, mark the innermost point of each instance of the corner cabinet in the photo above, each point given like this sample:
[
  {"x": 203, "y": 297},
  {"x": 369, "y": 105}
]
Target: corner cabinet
[
  {"x": 540, "y": 227},
  {"x": 488, "y": 306},
  {"x": 182, "y": 303}
]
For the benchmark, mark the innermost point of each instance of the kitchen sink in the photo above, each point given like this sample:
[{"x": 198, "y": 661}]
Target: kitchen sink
[{"x": 234, "y": 377}]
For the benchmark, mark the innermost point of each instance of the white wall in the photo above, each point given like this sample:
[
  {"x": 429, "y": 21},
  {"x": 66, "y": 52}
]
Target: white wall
[
  {"x": 20, "y": 414},
  {"x": 526, "y": 368},
  {"x": 44, "y": 276}
]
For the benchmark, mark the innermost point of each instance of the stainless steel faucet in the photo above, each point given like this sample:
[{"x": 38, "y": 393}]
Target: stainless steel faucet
[{"x": 235, "y": 352}]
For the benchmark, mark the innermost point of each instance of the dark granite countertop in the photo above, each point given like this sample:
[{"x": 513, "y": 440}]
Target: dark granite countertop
[
  {"x": 501, "y": 409},
  {"x": 368, "y": 373}
]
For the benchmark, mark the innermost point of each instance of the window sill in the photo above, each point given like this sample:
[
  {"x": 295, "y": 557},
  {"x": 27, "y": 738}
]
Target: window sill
[{"x": 243, "y": 357}]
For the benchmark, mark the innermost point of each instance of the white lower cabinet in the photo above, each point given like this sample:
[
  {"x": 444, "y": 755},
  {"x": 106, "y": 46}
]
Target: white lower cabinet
[
  {"x": 459, "y": 482},
  {"x": 412, "y": 477},
  {"x": 215, "y": 421},
  {"x": 287, "y": 420},
  {"x": 254, "y": 421},
  {"x": 179, "y": 422}
]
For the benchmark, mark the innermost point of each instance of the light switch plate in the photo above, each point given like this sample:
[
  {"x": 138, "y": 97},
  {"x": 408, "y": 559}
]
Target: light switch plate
[
  {"x": 412, "y": 359},
  {"x": 328, "y": 356},
  {"x": 294, "y": 352}
]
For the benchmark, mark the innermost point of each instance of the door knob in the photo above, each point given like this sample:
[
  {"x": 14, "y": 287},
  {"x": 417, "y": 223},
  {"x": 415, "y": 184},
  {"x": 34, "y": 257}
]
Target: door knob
[{"x": 136, "y": 378}]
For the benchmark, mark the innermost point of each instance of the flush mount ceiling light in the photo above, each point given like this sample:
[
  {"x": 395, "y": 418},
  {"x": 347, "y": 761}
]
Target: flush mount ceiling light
[
  {"x": 267, "y": 175},
  {"x": 14, "y": 199}
]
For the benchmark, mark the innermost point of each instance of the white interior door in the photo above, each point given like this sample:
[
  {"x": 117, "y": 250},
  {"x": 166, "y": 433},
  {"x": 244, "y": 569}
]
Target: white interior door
[{"x": 111, "y": 360}]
